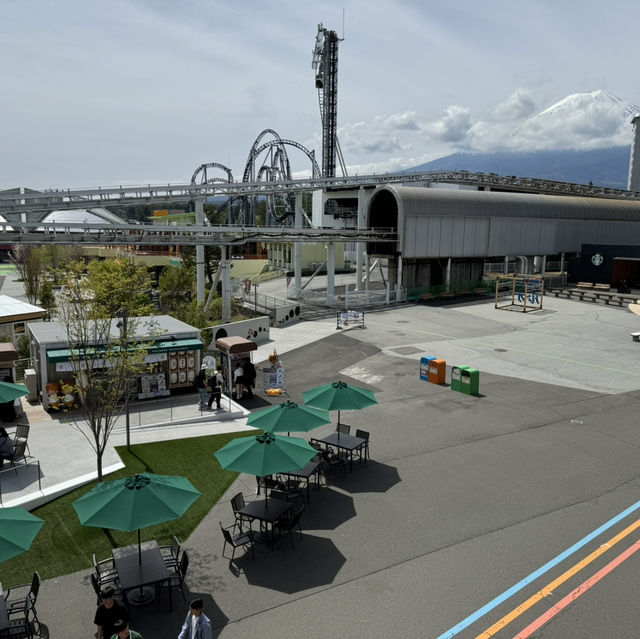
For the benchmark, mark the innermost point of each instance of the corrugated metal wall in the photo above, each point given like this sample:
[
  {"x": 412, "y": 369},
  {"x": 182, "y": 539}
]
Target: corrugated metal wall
[{"x": 438, "y": 223}]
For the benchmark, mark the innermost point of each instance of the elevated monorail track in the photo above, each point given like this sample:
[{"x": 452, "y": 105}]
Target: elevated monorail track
[
  {"x": 58, "y": 199},
  {"x": 165, "y": 235}
]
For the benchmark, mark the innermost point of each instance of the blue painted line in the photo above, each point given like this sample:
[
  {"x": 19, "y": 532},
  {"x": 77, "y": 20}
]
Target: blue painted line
[{"x": 478, "y": 614}]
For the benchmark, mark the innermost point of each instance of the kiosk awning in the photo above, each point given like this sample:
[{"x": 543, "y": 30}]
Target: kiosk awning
[
  {"x": 235, "y": 345},
  {"x": 169, "y": 346}
]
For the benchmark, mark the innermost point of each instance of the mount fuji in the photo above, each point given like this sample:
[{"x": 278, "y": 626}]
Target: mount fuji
[{"x": 583, "y": 138}]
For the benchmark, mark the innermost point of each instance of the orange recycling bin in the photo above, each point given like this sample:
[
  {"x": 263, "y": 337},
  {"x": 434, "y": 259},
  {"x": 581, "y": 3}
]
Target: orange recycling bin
[{"x": 437, "y": 371}]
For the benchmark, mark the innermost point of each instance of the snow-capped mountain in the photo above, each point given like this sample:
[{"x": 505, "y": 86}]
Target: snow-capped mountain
[
  {"x": 585, "y": 137},
  {"x": 599, "y": 99},
  {"x": 602, "y": 167}
]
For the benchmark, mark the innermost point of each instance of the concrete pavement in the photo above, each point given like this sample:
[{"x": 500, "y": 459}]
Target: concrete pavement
[{"x": 465, "y": 495}]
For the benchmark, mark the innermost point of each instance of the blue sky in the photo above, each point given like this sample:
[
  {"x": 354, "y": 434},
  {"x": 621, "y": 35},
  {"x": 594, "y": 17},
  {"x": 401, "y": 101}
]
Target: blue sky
[{"x": 131, "y": 92}]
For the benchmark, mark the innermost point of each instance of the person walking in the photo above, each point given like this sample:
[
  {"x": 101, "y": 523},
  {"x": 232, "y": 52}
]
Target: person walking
[
  {"x": 122, "y": 631},
  {"x": 108, "y": 612},
  {"x": 200, "y": 384},
  {"x": 197, "y": 625},
  {"x": 215, "y": 389}
]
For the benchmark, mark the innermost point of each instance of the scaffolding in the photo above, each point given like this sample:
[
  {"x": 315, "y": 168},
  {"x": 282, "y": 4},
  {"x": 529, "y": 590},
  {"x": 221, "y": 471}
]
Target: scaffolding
[{"x": 521, "y": 293}]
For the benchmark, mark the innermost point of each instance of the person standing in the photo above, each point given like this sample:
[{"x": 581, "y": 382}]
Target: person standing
[
  {"x": 200, "y": 384},
  {"x": 215, "y": 388},
  {"x": 108, "y": 612},
  {"x": 249, "y": 375},
  {"x": 197, "y": 625},
  {"x": 122, "y": 631},
  {"x": 238, "y": 380},
  {"x": 6, "y": 446}
]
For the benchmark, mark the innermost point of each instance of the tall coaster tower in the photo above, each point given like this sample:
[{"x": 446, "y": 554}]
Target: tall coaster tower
[{"x": 325, "y": 64}]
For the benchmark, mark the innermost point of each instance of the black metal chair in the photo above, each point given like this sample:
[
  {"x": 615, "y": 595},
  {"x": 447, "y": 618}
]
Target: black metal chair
[
  {"x": 236, "y": 540},
  {"x": 22, "y": 599},
  {"x": 289, "y": 524},
  {"x": 267, "y": 483},
  {"x": 171, "y": 553},
  {"x": 105, "y": 571},
  {"x": 330, "y": 462},
  {"x": 176, "y": 579},
  {"x": 363, "y": 451},
  {"x": 22, "y": 433},
  {"x": 345, "y": 429},
  {"x": 19, "y": 453},
  {"x": 237, "y": 503},
  {"x": 20, "y": 623}
]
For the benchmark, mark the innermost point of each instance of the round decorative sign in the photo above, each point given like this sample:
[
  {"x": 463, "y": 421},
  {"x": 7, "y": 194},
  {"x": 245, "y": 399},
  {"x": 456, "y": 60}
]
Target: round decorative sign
[{"x": 597, "y": 259}]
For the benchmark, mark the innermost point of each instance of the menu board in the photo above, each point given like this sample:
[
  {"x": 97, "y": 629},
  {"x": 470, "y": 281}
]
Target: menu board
[
  {"x": 153, "y": 386},
  {"x": 182, "y": 368}
]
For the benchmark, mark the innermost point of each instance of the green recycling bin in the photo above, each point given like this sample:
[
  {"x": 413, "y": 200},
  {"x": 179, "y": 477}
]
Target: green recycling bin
[
  {"x": 456, "y": 377},
  {"x": 469, "y": 380}
]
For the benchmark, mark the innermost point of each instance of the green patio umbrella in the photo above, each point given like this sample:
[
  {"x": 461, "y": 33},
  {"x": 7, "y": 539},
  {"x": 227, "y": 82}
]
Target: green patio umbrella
[
  {"x": 339, "y": 396},
  {"x": 18, "y": 529},
  {"x": 287, "y": 417},
  {"x": 136, "y": 502},
  {"x": 9, "y": 391},
  {"x": 265, "y": 454}
]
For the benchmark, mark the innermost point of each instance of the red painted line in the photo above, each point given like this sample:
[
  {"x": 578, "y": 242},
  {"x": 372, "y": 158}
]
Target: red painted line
[{"x": 578, "y": 592}]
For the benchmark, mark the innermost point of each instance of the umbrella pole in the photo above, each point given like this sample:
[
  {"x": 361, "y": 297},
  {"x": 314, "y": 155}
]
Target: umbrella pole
[
  {"x": 338, "y": 425},
  {"x": 139, "y": 549}
]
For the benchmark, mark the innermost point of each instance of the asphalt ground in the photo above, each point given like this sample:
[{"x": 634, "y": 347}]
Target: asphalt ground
[{"x": 466, "y": 497}]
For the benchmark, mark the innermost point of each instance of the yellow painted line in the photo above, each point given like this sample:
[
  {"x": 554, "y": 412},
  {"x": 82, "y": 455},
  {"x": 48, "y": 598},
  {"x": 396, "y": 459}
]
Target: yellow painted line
[{"x": 547, "y": 590}]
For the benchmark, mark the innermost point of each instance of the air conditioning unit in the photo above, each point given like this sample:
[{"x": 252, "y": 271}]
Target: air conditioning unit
[{"x": 31, "y": 382}]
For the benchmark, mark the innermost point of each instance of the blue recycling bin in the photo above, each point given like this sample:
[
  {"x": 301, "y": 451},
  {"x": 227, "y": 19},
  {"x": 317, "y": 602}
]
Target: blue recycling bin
[{"x": 424, "y": 368}]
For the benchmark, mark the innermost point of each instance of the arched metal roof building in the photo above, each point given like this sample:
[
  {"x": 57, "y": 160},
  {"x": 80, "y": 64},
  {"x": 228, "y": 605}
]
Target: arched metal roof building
[{"x": 469, "y": 226}]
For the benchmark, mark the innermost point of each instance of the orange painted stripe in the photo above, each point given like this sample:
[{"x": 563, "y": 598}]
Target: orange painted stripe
[
  {"x": 547, "y": 590},
  {"x": 578, "y": 592}
]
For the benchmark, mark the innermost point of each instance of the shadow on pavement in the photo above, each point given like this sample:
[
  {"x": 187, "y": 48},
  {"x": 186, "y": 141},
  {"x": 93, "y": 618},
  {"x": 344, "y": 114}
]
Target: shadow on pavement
[
  {"x": 327, "y": 510},
  {"x": 311, "y": 563},
  {"x": 372, "y": 477}
]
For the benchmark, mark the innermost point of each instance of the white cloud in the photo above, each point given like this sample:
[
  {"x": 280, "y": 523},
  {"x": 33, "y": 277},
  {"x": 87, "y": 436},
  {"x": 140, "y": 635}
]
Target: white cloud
[
  {"x": 521, "y": 103},
  {"x": 453, "y": 126}
]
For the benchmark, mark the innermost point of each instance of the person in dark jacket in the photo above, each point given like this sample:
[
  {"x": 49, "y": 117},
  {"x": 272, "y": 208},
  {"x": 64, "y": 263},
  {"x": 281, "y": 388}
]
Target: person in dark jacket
[
  {"x": 200, "y": 384},
  {"x": 249, "y": 375}
]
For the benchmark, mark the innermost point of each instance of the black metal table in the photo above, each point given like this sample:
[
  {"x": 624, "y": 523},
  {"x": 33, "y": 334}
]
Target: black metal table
[
  {"x": 134, "y": 575},
  {"x": 312, "y": 468},
  {"x": 266, "y": 511},
  {"x": 345, "y": 442}
]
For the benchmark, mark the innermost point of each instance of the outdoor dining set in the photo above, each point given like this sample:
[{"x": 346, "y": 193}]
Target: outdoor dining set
[{"x": 284, "y": 465}]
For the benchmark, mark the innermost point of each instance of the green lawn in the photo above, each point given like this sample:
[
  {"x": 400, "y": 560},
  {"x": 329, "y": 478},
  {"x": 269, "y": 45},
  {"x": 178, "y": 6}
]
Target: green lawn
[{"x": 64, "y": 546}]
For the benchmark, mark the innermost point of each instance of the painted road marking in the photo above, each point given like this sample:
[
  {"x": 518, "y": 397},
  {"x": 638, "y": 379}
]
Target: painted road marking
[
  {"x": 547, "y": 590},
  {"x": 481, "y": 612},
  {"x": 578, "y": 592}
]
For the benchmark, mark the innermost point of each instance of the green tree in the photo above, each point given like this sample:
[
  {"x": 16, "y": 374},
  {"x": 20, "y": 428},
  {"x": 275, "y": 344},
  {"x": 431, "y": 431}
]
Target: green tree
[
  {"x": 176, "y": 286},
  {"x": 117, "y": 287},
  {"x": 47, "y": 299},
  {"x": 106, "y": 349},
  {"x": 30, "y": 264}
]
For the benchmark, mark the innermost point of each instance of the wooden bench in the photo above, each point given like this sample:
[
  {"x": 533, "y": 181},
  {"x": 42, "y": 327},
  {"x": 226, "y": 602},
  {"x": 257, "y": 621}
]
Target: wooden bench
[
  {"x": 635, "y": 337},
  {"x": 585, "y": 285},
  {"x": 602, "y": 287}
]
